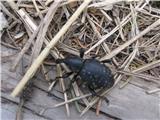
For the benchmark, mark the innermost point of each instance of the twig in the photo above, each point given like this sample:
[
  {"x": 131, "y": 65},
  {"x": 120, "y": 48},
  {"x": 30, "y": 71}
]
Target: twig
[
  {"x": 72, "y": 100},
  {"x": 9, "y": 45},
  {"x": 93, "y": 102},
  {"x": 29, "y": 6},
  {"x": 63, "y": 88},
  {"x": 146, "y": 77},
  {"x": 98, "y": 107},
  {"x": 153, "y": 91},
  {"x": 48, "y": 2},
  {"x": 84, "y": 99},
  {"x": 37, "y": 9},
  {"x": 12, "y": 39},
  {"x": 125, "y": 83},
  {"x": 45, "y": 73},
  {"x": 19, "y": 115},
  {"x": 147, "y": 66}
]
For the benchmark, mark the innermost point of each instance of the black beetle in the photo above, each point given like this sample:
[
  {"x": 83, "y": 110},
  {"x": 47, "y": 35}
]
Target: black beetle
[{"x": 94, "y": 73}]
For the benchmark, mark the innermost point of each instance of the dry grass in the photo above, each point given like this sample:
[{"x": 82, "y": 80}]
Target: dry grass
[{"x": 126, "y": 32}]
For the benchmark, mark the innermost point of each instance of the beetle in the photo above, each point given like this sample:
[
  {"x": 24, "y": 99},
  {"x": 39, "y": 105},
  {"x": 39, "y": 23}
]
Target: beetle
[{"x": 91, "y": 71}]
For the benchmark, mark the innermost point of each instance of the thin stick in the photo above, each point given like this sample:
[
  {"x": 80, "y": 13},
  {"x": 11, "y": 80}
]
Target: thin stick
[
  {"x": 147, "y": 66},
  {"x": 47, "y": 2},
  {"x": 98, "y": 107},
  {"x": 30, "y": 6},
  {"x": 146, "y": 77},
  {"x": 59, "y": 71},
  {"x": 142, "y": 69},
  {"x": 45, "y": 73},
  {"x": 153, "y": 91},
  {"x": 72, "y": 100},
  {"x": 92, "y": 103},
  {"x": 32, "y": 70},
  {"x": 120, "y": 48},
  {"x": 37, "y": 9}
]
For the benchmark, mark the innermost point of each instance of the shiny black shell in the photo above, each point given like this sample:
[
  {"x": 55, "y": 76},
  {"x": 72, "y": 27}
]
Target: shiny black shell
[
  {"x": 96, "y": 75},
  {"x": 91, "y": 71}
]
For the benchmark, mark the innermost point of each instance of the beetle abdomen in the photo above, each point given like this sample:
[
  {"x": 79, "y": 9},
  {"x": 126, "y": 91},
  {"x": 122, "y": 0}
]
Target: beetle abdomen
[{"x": 96, "y": 75}]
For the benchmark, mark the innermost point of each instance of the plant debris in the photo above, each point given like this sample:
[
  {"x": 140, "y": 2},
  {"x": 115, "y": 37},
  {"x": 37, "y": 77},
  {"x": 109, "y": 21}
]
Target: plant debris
[{"x": 127, "y": 32}]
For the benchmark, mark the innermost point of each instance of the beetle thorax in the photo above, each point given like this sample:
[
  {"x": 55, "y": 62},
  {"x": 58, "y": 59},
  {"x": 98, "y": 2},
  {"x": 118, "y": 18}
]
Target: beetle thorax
[{"x": 74, "y": 63}]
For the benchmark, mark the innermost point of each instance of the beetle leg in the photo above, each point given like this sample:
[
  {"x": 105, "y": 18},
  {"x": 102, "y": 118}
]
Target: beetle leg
[
  {"x": 76, "y": 75},
  {"x": 70, "y": 85},
  {"x": 96, "y": 94},
  {"x": 72, "y": 81},
  {"x": 82, "y": 50},
  {"x": 110, "y": 61},
  {"x": 107, "y": 61},
  {"x": 65, "y": 75},
  {"x": 53, "y": 95}
]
